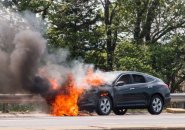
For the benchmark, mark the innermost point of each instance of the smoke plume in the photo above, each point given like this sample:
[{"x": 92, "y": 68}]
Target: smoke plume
[
  {"x": 20, "y": 54},
  {"x": 25, "y": 64}
]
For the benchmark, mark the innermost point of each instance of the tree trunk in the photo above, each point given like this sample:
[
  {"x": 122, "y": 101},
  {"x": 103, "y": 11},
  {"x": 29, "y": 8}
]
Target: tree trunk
[
  {"x": 110, "y": 59},
  {"x": 173, "y": 85},
  {"x": 111, "y": 35},
  {"x": 109, "y": 50},
  {"x": 137, "y": 25},
  {"x": 151, "y": 14}
]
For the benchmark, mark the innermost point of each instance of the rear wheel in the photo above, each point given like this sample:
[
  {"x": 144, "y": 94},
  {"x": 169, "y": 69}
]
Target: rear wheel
[
  {"x": 119, "y": 111},
  {"x": 104, "y": 106},
  {"x": 156, "y": 105}
]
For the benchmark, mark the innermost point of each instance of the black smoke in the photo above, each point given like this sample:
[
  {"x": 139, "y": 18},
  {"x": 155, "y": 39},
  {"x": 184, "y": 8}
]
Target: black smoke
[{"x": 20, "y": 56}]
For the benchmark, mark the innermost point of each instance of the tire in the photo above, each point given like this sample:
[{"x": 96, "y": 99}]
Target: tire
[
  {"x": 119, "y": 111},
  {"x": 156, "y": 105},
  {"x": 104, "y": 106}
]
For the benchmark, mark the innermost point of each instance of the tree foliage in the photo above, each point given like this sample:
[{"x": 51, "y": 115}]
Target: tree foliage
[
  {"x": 135, "y": 57},
  {"x": 154, "y": 20},
  {"x": 168, "y": 62},
  {"x": 41, "y": 6},
  {"x": 165, "y": 61},
  {"x": 73, "y": 24},
  {"x": 112, "y": 16},
  {"x": 142, "y": 35}
]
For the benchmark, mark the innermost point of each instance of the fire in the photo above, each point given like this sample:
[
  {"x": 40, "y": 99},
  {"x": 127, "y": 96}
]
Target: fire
[
  {"x": 93, "y": 79},
  {"x": 54, "y": 84},
  {"x": 65, "y": 102}
]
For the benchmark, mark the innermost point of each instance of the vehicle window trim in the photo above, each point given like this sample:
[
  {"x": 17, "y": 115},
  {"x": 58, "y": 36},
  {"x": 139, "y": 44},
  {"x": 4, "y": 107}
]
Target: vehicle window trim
[
  {"x": 154, "y": 79},
  {"x": 132, "y": 80},
  {"x": 133, "y": 83},
  {"x": 120, "y": 77},
  {"x": 139, "y": 75}
]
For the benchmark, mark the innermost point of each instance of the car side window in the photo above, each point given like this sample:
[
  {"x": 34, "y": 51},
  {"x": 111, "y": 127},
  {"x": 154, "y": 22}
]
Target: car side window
[
  {"x": 125, "y": 78},
  {"x": 138, "y": 78}
]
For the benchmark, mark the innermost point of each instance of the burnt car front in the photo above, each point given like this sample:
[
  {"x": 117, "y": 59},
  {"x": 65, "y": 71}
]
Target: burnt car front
[{"x": 88, "y": 100}]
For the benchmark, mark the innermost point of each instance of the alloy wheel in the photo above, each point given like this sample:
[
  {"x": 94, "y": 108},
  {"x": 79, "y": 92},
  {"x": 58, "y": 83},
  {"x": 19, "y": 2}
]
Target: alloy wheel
[
  {"x": 157, "y": 104},
  {"x": 104, "y": 106}
]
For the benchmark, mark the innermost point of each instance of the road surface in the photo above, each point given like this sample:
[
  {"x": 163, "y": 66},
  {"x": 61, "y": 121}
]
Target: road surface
[{"x": 134, "y": 121}]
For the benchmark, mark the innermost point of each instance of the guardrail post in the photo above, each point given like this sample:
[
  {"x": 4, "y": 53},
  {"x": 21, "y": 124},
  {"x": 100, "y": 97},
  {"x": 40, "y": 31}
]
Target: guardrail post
[{"x": 5, "y": 108}]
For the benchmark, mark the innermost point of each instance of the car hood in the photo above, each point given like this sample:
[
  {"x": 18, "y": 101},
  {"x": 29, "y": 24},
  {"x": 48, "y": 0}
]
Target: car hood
[{"x": 97, "y": 89}]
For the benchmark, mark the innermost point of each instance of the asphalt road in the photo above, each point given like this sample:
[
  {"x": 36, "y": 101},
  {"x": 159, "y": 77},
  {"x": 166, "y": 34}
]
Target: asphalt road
[{"x": 136, "y": 121}]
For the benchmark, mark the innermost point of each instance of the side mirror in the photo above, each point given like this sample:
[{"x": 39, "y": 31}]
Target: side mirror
[{"x": 120, "y": 83}]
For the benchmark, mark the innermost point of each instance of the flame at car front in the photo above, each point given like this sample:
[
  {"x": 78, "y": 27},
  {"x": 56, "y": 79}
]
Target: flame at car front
[{"x": 66, "y": 98}]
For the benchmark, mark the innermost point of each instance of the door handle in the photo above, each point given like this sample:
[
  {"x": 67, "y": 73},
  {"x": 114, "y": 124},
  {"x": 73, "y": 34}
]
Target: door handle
[
  {"x": 150, "y": 86},
  {"x": 132, "y": 88}
]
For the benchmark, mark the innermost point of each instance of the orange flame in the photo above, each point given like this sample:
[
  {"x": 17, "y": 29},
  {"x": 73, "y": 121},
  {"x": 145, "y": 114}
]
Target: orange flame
[
  {"x": 54, "y": 84},
  {"x": 65, "y": 103},
  {"x": 93, "y": 79}
]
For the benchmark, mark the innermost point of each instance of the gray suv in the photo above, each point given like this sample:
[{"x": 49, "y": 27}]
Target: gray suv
[{"x": 129, "y": 90}]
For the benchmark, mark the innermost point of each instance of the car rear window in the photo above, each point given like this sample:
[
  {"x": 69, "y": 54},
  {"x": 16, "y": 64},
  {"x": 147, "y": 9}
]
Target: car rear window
[
  {"x": 149, "y": 79},
  {"x": 138, "y": 78}
]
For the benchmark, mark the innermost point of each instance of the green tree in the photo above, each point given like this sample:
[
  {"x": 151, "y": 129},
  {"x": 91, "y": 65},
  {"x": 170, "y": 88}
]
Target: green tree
[
  {"x": 74, "y": 24},
  {"x": 40, "y": 6},
  {"x": 143, "y": 21},
  {"x": 113, "y": 15},
  {"x": 71, "y": 24},
  {"x": 153, "y": 20},
  {"x": 168, "y": 62},
  {"x": 135, "y": 57}
]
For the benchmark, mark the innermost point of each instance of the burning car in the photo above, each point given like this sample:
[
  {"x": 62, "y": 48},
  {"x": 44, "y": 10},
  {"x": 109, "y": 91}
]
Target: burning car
[{"x": 128, "y": 90}]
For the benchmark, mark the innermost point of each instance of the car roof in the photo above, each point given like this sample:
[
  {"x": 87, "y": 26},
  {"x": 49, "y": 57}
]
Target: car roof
[
  {"x": 124, "y": 72},
  {"x": 117, "y": 73},
  {"x": 111, "y": 76}
]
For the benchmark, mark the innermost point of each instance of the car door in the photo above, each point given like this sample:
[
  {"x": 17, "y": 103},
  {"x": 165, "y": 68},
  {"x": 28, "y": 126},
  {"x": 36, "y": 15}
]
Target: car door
[
  {"x": 122, "y": 91},
  {"x": 138, "y": 90}
]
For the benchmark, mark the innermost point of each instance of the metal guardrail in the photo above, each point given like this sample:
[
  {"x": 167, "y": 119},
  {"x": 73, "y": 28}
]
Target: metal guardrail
[
  {"x": 6, "y": 99},
  {"x": 177, "y": 97},
  {"x": 20, "y": 98},
  {"x": 29, "y": 98}
]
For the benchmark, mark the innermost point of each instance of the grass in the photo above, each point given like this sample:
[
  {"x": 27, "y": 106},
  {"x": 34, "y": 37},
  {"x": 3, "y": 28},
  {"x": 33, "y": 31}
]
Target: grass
[{"x": 21, "y": 107}]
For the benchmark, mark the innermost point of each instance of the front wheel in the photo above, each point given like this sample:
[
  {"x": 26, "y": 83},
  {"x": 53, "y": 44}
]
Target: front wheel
[
  {"x": 104, "y": 106},
  {"x": 119, "y": 111},
  {"x": 156, "y": 105}
]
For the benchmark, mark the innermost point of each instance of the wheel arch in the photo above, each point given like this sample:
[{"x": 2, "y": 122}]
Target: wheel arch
[{"x": 106, "y": 93}]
